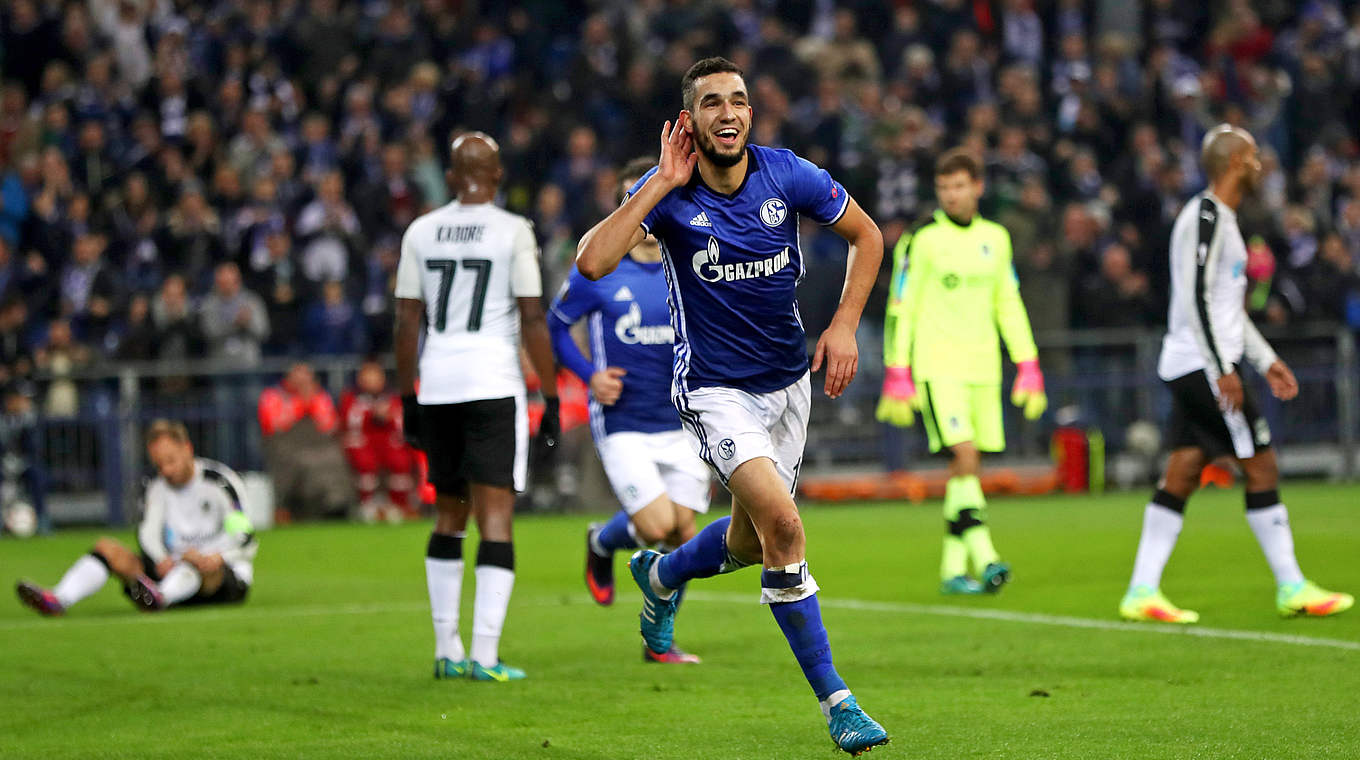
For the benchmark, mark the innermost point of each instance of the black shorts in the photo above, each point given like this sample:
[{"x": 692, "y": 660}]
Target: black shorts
[
  {"x": 232, "y": 590},
  {"x": 482, "y": 442},
  {"x": 1197, "y": 421}
]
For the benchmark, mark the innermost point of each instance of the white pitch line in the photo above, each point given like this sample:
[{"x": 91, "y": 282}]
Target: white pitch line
[
  {"x": 1035, "y": 618},
  {"x": 862, "y": 605},
  {"x": 210, "y": 615}
]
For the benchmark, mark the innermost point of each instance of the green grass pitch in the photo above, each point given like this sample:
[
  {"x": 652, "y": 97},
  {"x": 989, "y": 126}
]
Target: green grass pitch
[{"x": 331, "y": 656}]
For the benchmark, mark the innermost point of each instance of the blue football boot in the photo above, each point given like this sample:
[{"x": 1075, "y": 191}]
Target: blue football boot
[
  {"x": 446, "y": 668},
  {"x": 658, "y": 615},
  {"x": 499, "y": 672},
  {"x": 852, "y": 730}
]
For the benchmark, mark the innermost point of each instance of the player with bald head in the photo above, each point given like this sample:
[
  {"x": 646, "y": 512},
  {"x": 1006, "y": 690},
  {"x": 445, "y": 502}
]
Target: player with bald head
[
  {"x": 475, "y": 167},
  {"x": 470, "y": 270},
  {"x": 1213, "y": 414}
]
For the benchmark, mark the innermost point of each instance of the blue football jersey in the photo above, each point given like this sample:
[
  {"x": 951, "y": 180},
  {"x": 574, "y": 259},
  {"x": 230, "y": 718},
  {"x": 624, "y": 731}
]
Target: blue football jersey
[
  {"x": 630, "y": 328},
  {"x": 733, "y": 265}
]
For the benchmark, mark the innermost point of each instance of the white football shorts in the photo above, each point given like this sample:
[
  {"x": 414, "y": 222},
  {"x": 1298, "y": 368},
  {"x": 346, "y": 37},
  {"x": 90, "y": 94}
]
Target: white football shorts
[
  {"x": 642, "y": 467},
  {"x": 730, "y": 427}
]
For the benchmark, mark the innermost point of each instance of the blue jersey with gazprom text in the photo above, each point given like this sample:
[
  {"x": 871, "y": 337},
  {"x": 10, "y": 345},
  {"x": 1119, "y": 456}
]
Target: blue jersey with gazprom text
[
  {"x": 733, "y": 265},
  {"x": 629, "y": 328}
]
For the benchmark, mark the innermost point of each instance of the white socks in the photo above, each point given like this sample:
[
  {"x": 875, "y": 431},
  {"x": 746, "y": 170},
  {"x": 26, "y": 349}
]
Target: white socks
[
  {"x": 835, "y": 698},
  {"x": 444, "y": 579},
  {"x": 85, "y": 577},
  {"x": 1162, "y": 520},
  {"x": 1271, "y": 526},
  {"x": 659, "y": 588},
  {"x": 494, "y": 585},
  {"x": 1161, "y": 528},
  {"x": 181, "y": 583}
]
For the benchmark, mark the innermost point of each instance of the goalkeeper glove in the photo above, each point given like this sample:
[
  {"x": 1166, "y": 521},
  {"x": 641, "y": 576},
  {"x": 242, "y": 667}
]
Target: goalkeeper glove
[
  {"x": 899, "y": 401},
  {"x": 1028, "y": 391}
]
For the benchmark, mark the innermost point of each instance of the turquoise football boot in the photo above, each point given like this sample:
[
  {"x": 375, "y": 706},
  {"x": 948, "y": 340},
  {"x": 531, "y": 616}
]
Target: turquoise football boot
[
  {"x": 498, "y": 672},
  {"x": 852, "y": 730},
  {"x": 960, "y": 584},
  {"x": 658, "y": 615},
  {"x": 995, "y": 575},
  {"x": 446, "y": 668}
]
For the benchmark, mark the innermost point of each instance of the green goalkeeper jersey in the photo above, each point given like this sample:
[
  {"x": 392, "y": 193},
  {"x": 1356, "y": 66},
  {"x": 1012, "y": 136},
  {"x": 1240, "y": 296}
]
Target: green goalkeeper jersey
[{"x": 953, "y": 288}]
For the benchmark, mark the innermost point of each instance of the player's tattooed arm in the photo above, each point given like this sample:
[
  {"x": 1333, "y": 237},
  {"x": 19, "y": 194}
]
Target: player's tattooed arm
[
  {"x": 601, "y": 249},
  {"x": 837, "y": 345}
]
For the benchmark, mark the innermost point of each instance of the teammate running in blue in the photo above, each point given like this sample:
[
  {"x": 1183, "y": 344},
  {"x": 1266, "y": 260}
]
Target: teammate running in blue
[
  {"x": 657, "y": 476},
  {"x": 729, "y": 243}
]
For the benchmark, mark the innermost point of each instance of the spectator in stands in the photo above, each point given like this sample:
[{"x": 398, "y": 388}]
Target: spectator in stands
[
  {"x": 316, "y": 152},
  {"x": 89, "y": 287},
  {"x": 299, "y": 422},
  {"x": 332, "y": 325},
  {"x": 249, "y": 152},
  {"x": 178, "y": 334},
  {"x": 235, "y": 325},
  {"x": 370, "y": 420},
  {"x": 16, "y": 351},
  {"x": 61, "y": 356},
  {"x": 233, "y": 320},
  {"x": 193, "y": 234},
  {"x": 283, "y": 289},
  {"x": 136, "y": 335},
  {"x": 328, "y": 231},
  {"x": 1335, "y": 284},
  {"x": 575, "y": 172},
  {"x": 1118, "y": 295},
  {"x": 392, "y": 199},
  {"x": 263, "y": 214},
  {"x": 13, "y": 206}
]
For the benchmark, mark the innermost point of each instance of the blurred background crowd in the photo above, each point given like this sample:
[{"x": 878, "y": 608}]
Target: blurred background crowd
[
  {"x": 196, "y": 179},
  {"x": 231, "y": 179}
]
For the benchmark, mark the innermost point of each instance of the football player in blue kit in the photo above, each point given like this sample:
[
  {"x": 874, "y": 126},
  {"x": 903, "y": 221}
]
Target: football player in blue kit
[
  {"x": 729, "y": 242},
  {"x": 655, "y": 473}
]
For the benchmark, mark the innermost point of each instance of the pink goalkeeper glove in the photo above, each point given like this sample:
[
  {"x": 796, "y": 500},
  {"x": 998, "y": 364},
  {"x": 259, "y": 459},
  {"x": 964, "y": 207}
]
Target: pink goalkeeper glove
[
  {"x": 1028, "y": 391},
  {"x": 897, "y": 406}
]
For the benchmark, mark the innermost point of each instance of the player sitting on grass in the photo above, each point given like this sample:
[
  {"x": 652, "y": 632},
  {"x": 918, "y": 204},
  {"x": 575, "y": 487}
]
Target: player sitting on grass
[
  {"x": 656, "y": 475},
  {"x": 953, "y": 289},
  {"x": 196, "y": 542},
  {"x": 1213, "y": 412},
  {"x": 727, "y": 220}
]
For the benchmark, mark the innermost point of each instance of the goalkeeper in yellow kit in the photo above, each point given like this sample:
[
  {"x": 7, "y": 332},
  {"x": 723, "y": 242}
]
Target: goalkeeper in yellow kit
[{"x": 953, "y": 289}]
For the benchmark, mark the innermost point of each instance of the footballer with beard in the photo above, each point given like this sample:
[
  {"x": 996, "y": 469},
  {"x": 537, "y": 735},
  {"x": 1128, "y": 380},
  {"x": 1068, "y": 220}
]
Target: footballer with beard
[{"x": 726, "y": 215}]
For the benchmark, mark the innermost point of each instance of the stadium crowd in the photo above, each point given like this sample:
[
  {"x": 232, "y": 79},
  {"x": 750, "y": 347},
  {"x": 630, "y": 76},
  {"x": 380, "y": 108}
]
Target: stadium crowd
[{"x": 185, "y": 179}]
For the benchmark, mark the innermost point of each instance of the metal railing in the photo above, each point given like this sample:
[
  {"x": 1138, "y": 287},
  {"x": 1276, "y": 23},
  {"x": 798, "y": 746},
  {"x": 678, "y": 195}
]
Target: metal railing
[
  {"x": 1107, "y": 380},
  {"x": 1096, "y": 379}
]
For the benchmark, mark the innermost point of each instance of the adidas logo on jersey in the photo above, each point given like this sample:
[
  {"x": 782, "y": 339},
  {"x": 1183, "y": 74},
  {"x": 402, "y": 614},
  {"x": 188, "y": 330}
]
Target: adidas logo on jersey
[
  {"x": 700, "y": 220},
  {"x": 623, "y": 294}
]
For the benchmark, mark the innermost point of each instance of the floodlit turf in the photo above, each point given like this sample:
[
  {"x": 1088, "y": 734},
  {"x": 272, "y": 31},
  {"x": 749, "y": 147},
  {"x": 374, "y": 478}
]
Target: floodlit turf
[{"x": 331, "y": 656}]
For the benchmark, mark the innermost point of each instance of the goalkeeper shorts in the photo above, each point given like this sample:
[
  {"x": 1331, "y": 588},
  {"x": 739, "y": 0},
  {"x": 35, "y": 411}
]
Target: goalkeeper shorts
[{"x": 954, "y": 412}]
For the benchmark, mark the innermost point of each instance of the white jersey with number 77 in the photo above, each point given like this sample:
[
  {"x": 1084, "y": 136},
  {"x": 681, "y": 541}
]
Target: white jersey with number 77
[{"x": 468, "y": 263}]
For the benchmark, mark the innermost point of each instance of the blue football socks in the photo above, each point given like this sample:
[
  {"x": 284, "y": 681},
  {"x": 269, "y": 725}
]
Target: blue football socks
[
  {"x": 801, "y": 622},
  {"x": 700, "y": 557},
  {"x": 615, "y": 535}
]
